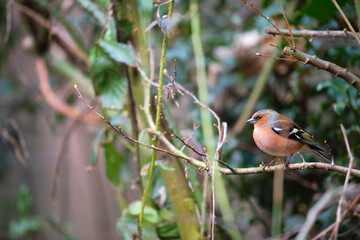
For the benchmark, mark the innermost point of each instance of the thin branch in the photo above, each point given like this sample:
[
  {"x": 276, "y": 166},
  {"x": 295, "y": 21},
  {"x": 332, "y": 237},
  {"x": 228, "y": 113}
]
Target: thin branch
[
  {"x": 312, "y": 33},
  {"x": 193, "y": 161},
  {"x": 267, "y": 19},
  {"x": 184, "y": 140},
  {"x": 322, "y": 64},
  {"x": 53, "y": 101},
  {"x": 277, "y": 58},
  {"x": 345, "y": 215},
  {"x": 293, "y": 166},
  {"x": 61, "y": 157},
  {"x": 203, "y": 202},
  {"x": 287, "y": 24},
  {"x": 341, "y": 201},
  {"x": 195, "y": 127},
  {"x": 346, "y": 20},
  {"x": 328, "y": 199}
]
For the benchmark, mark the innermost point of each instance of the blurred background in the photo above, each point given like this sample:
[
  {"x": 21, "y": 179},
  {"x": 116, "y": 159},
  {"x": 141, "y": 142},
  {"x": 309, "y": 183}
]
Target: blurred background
[{"x": 64, "y": 174}]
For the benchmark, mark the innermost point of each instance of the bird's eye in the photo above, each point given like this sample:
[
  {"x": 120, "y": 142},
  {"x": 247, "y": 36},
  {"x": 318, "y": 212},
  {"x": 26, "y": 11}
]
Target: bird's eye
[{"x": 259, "y": 117}]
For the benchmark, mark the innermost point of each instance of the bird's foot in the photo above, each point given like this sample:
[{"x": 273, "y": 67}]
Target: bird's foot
[
  {"x": 287, "y": 162},
  {"x": 268, "y": 164}
]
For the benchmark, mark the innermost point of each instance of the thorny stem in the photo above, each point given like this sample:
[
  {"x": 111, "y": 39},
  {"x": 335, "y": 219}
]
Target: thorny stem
[{"x": 157, "y": 125}]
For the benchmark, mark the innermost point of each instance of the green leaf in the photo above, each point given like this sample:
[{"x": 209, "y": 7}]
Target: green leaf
[
  {"x": 95, "y": 149},
  {"x": 110, "y": 34},
  {"x": 150, "y": 214},
  {"x": 119, "y": 52},
  {"x": 24, "y": 226},
  {"x": 127, "y": 226},
  {"x": 109, "y": 83},
  {"x": 168, "y": 230},
  {"x": 24, "y": 202},
  {"x": 113, "y": 162}
]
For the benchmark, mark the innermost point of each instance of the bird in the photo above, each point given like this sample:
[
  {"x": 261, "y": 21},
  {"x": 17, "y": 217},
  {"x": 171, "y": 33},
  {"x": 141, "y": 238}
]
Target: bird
[{"x": 279, "y": 136}]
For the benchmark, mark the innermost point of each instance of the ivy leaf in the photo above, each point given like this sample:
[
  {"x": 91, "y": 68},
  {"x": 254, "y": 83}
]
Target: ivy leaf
[
  {"x": 119, "y": 52},
  {"x": 127, "y": 225},
  {"x": 109, "y": 83},
  {"x": 113, "y": 161},
  {"x": 150, "y": 214}
]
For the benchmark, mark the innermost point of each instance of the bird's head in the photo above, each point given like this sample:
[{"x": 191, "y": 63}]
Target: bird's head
[{"x": 262, "y": 117}]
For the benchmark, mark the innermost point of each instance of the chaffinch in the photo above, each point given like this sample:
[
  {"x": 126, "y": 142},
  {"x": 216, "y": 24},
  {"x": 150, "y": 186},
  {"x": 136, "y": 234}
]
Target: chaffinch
[{"x": 277, "y": 135}]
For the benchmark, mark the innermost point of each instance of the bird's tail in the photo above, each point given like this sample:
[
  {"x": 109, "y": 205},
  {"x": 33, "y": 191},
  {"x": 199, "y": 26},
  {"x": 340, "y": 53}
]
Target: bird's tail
[{"x": 322, "y": 152}]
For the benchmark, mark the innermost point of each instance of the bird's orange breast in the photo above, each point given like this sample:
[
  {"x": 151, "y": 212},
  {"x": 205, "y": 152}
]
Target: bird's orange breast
[{"x": 274, "y": 144}]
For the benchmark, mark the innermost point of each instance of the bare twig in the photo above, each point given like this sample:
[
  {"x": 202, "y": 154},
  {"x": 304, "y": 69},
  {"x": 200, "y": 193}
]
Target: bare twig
[
  {"x": 346, "y": 20},
  {"x": 186, "y": 170},
  {"x": 322, "y": 64},
  {"x": 118, "y": 129},
  {"x": 184, "y": 140},
  {"x": 203, "y": 203},
  {"x": 195, "y": 127},
  {"x": 313, "y": 60},
  {"x": 312, "y": 33},
  {"x": 266, "y": 18},
  {"x": 53, "y": 101},
  {"x": 211, "y": 233},
  {"x": 341, "y": 201},
  {"x": 345, "y": 215},
  {"x": 287, "y": 24},
  {"x": 60, "y": 158},
  {"x": 293, "y": 166},
  {"x": 326, "y": 200},
  {"x": 277, "y": 58}
]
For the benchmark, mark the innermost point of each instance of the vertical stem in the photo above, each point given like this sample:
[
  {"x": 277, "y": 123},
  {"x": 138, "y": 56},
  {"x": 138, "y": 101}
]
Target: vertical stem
[
  {"x": 134, "y": 122},
  {"x": 206, "y": 125},
  {"x": 157, "y": 125},
  {"x": 357, "y": 8},
  {"x": 278, "y": 192}
]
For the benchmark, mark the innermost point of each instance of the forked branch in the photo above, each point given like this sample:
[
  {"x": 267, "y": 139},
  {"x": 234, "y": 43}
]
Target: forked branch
[{"x": 322, "y": 64}]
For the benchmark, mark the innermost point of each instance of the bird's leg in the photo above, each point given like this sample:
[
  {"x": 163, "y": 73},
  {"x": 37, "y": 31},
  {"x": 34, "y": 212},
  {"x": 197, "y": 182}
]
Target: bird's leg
[
  {"x": 301, "y": 157},
  {"x": 287, "y": 161},
  {"x": 269, "y": 164}
]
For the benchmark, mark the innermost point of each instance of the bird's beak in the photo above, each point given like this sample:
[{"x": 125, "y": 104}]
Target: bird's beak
[{"x": 251, "y": 120}]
